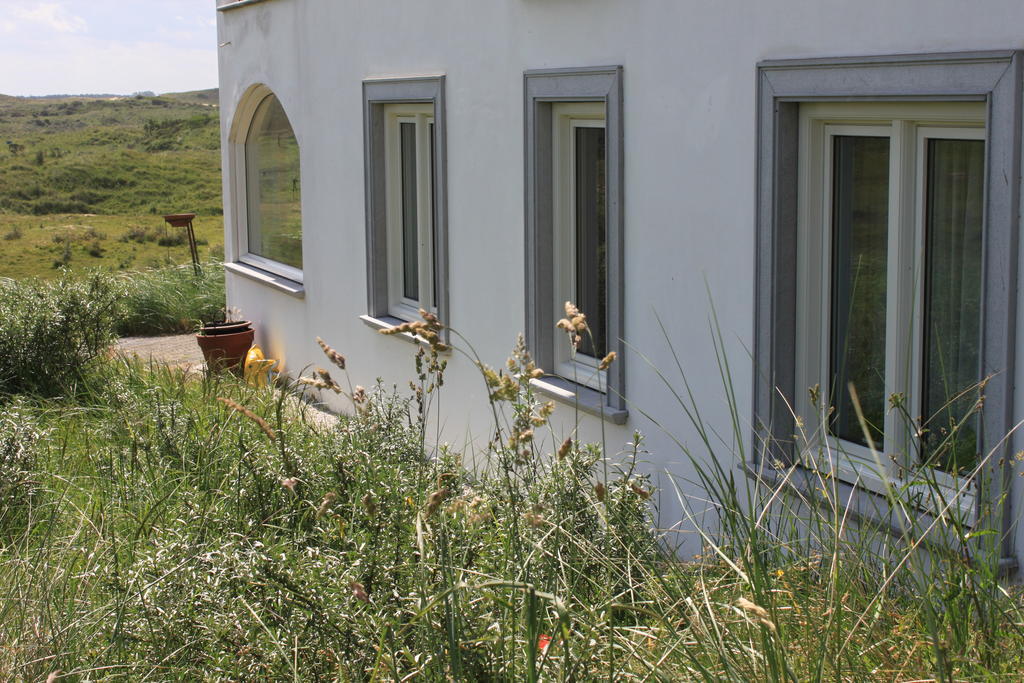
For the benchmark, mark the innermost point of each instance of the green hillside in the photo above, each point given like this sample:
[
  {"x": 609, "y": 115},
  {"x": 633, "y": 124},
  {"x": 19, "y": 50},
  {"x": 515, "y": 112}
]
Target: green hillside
[
  {"x": 84, "y": 180},
  {"x": 109, "y": 156}
]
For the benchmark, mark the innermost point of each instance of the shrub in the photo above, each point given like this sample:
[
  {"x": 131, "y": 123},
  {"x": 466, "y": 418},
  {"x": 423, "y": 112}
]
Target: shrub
[
  {"x": 44, "y": 207},
  {"x": 138, "y": 233},
  {"x": 50, "y": 331},
  {"x": 171, "y": 240}
]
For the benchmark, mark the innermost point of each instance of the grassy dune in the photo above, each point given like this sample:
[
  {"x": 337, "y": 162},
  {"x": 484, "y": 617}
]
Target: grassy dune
[{"x": 84, "y": 181}]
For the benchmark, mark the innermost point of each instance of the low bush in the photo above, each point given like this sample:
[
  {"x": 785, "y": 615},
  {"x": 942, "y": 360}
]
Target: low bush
[
  {"x": 175, "y": 239},
  {"x": 49, "y": 331}
]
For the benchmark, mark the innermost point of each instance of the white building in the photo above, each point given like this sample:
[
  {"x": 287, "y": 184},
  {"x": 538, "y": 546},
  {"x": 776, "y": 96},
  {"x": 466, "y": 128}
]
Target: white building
[{"x": 842, "y": 181}]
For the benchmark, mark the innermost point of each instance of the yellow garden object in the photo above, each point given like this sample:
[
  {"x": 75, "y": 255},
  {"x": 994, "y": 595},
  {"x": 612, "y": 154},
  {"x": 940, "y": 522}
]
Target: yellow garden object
[{"x": 257, "y": 367}]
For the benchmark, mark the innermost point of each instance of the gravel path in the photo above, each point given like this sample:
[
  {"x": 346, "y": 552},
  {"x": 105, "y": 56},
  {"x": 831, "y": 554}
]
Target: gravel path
[
  {"x": 182, "y": 351},
  {"x": 177, "y": 350}
]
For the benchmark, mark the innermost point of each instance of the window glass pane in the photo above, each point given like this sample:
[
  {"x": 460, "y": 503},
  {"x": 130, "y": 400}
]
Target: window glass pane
[
  {"x": 433, "y": 223},
  {"x": 591, "y": 238},
  {"x": 272, "y": 186},
  {"x": 860, "y": 217},
  {"x": 410, "y": 237},
  {"x": 952, "y": 308}
]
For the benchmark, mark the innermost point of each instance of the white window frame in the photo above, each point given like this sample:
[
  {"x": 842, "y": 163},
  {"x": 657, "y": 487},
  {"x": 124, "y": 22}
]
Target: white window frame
[
  {"x": 908, "y": 127},
  {"x": 422, "y": 116},
  {"x": 240, "y": 187},
  {"x": 545, "y": 90},
  {"x": 384, "y": 99},
  {"x": 566, "y": 118}
]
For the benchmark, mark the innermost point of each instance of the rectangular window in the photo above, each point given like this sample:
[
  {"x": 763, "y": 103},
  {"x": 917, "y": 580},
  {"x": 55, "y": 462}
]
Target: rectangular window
[
  {"x": 406, "y": 208},
  {"x": 948, "y": 197},
  {"x": 890, "y": 234},
  {"x": 574, "y": 232}
]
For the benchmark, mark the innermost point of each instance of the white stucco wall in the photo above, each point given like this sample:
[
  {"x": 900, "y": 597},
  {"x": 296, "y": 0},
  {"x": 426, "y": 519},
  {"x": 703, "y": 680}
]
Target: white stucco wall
[{"x": 689, "y": 83}]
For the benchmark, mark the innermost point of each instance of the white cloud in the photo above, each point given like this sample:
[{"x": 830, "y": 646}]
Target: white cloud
[{"x": 52, "y": 15}]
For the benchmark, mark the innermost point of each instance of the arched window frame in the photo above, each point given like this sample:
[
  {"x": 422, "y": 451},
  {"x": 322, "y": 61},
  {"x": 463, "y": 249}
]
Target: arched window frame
[{"x": 281, "y": 275}]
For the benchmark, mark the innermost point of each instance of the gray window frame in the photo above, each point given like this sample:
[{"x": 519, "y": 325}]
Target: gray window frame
[
  {"x": 543, "y": 88},
  {"x": 993, "y": 77},
  {"x": 377, "y": 94}
]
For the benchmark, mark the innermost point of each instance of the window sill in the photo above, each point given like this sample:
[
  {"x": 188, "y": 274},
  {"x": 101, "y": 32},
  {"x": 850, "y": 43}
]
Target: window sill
[
  {"x": 920, "y": 496},
  {"x": 386, "y": 322},
  {"x": 865, "y": 499},
  {"x": 880, "y": 515},
  {"x": 579, "y": 396},
  {"x": 289, "y": 287}
]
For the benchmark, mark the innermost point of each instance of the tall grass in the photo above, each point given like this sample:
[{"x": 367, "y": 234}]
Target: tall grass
[
  {"x": 172, "y": 535},
  {"x": 172, "y": 299}
]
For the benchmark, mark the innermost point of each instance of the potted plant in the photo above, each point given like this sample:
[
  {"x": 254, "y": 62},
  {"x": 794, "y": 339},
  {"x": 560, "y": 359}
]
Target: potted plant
[{"x": 225, "y": 342}]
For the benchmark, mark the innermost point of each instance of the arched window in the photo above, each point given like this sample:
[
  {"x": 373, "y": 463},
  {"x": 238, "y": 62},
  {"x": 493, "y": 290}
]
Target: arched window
[{"x": 272, "y": 234}]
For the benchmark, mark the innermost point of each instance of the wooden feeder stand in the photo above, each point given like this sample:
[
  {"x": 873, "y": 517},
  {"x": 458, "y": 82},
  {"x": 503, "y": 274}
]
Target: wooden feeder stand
[{"x": 184, "y": 220}]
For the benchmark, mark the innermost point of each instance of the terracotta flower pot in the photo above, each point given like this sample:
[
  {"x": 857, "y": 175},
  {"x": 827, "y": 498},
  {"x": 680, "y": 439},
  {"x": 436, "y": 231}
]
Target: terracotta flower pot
[
  {"x": 226, "y": 327},
  {"x": 225, "y": 350}
]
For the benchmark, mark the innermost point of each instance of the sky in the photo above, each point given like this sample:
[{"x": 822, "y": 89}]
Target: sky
[{"x": 107, "y": 46}]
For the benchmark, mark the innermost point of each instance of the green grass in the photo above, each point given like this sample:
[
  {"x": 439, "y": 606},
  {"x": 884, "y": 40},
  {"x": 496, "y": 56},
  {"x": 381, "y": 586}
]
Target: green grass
[
  {"x": 152, "y": 531},
  {"x": 46, "y": 246}
]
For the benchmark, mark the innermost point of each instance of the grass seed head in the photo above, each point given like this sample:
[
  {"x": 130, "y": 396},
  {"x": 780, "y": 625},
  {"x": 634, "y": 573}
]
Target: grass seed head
[
  {"x": 331, "y": 354},
  {"x": 563, "y": 450},
  {"x": 607, "y": 361},
  {"x": 640, "y": 491},
  {"x": 318, "y": 383},
  {"x": 370, "y": 504},
  {"x": 434, "y": 501},
  {"x": 534, "y": 519},
  {"x": 755, "y": 611},
  {"x": 239, "y": 408},
  {"x": 359, "y": 592},
  {"x": 326, "y": 504}
]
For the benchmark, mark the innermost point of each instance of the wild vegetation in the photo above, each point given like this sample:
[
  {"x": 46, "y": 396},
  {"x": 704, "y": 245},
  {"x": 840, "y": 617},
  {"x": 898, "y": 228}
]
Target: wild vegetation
[
  {"x": 160, "y": 526},
  {"x": 84, "y": 181},
  {"x": 50, "y": 331}
]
